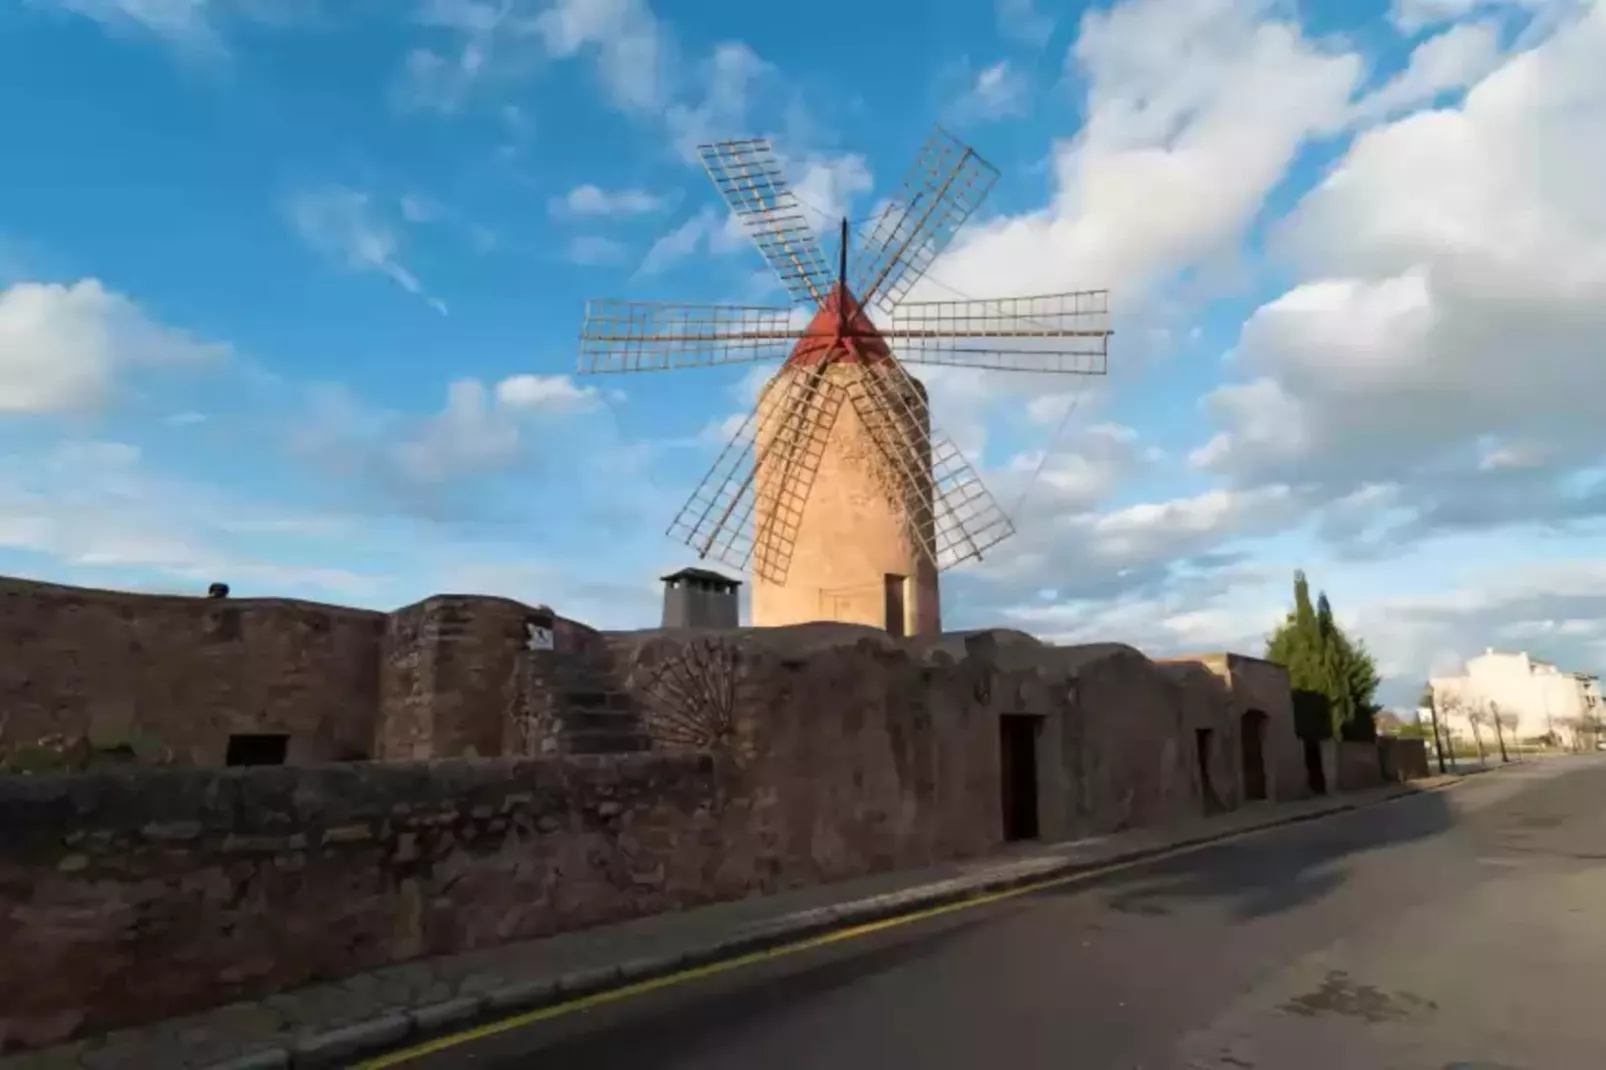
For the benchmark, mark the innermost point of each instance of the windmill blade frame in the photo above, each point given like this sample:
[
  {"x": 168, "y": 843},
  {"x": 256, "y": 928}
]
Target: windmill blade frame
[
  {"x": 952, "y": 516},
  {"x": 791, "y": 428},
  {"x": 946, "y": 183},
  {"x": 749, "y": 177},
  {"x": 643, "y": 336},
  {"x": 1062, "y": 334}
]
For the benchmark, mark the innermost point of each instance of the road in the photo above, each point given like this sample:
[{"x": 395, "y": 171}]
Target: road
[{"x": 1456, "y": 930}]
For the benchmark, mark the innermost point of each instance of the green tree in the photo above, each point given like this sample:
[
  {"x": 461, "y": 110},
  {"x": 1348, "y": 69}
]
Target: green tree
[{"x": 1323, "y": 661}]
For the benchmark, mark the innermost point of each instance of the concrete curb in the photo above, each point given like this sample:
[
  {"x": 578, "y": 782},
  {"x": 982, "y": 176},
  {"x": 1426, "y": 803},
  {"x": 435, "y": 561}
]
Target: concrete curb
[{"x": 340, "y": 1047}]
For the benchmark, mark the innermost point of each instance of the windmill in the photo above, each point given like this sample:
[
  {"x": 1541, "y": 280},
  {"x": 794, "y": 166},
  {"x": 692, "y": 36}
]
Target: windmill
[{"x": 835, "y": 489}]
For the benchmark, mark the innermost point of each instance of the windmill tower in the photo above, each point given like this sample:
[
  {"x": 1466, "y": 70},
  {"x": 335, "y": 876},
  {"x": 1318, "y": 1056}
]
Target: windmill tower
[{"x": 836, "y": 490}]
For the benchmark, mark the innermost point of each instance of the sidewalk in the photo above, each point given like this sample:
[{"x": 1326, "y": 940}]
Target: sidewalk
[{"x": 333, "y": 1024}]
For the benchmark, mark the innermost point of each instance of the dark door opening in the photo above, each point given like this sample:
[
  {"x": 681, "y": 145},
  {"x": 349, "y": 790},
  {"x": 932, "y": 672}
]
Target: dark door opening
[
  {"x": 1315, "y": 775},
  {"x": 1207, "y": 790},
  {"x": 894, "y": 605},
  {"x": 1017, "y": 761},
  {"x": 257, "y": 749},
  {"x": 1253, "y": 734}
]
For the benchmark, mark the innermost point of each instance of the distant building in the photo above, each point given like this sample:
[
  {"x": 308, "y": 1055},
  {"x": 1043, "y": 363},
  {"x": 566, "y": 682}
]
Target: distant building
[
  {"x": 1533, "y": 699},
  {"x": 698, "y": 598}
]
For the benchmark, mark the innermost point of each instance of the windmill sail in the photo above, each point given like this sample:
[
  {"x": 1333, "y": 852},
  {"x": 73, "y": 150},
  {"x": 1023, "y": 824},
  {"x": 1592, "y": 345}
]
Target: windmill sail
[
  {"x": 947, "y": 182},
  {"x": 1067, "y": 334},
  {"x": 767, "y": 468},
  {"x": 749, "y": 177},
  {"x": 637, "y": 336},
  {"x": 753, "y": 505}
]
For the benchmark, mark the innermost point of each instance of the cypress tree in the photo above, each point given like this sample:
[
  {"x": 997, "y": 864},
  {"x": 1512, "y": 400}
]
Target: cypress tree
[{"x": 1325, "y": 666}]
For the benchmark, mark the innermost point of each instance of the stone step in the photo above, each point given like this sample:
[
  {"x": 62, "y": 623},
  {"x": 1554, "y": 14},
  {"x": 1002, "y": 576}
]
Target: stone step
[
  {"x": 581, "y": 720},
  {"x": 605, "y": 742},
  {"x": 602, "y": 700}
]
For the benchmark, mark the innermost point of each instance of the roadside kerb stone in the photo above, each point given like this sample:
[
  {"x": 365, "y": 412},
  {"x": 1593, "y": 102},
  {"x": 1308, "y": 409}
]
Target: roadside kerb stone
[
  {"x": 337, "y": 1047},
  {"x": 387, "y": 1033}
]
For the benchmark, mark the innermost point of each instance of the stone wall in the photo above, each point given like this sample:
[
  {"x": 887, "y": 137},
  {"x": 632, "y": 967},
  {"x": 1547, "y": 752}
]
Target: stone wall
[
  {"x": 139, "y": 895},
  {"x": 451, "y": 676},
  {"x": 188, "y": 671},
  {"x": 1356, "y": 765},
  {"x": 1403, "y": 759},
  {"x": 805, "y": 754}
]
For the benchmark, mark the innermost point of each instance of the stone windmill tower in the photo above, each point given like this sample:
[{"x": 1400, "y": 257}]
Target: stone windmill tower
[{"x": 835, "y": 490}]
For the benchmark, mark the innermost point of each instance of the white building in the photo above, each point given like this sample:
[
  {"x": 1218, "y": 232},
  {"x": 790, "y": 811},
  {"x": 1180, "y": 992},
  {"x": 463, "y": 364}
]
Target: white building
[{"x": 1533, "y": 700}]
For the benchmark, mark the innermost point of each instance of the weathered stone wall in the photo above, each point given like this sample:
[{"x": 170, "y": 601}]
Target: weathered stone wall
[
  {"x": 790, "y": 756},
  {"x": 134, "y": 896},
  {"x": 1356, "y": 765},
  {"x": 1403, "y": 759},
  {"x": 188, "y": 671},
  {"x": 450, "y": 676}
]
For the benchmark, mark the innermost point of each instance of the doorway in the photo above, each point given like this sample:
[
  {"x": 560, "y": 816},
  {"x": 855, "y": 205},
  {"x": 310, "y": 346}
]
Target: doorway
[
  {"x": 256, "y": 749},
  {"x": 1207, "y": 790},
  {"x": 1253, "y": 735},
  {"x": 1017, "y": 769},
  {"x": 1315, "y": 774},
  {"x": 893, "y": 604}
]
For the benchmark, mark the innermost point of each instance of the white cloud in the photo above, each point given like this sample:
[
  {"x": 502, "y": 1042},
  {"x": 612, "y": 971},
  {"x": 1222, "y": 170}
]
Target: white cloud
[
  {"x": 708, "y": 230},
  {"x": 479, "y": 431},
  {"x": 1455, "y": 293},
  {"x": 592, "y": 249},
  {"x": 348, "y": 227},
  {"x": 995, "y": 92},
  {"x": 1196, "y": 109},
  {"x": 827, "y": 186},
  {"x": 193, "y": 26},
  {"x": 729, "y": 78},
  {"x": 544, "y": 393},
  {"x": 62, "y": 348},
  {"x": 588, "y": 201},
  {"x": 625, "y": 37},
  {"x": 93, "y": 506},
  {"x": 1020, "y": 20},
  {"x": 1413, "y": 16},
  {"x": 1452, "y": 60}
]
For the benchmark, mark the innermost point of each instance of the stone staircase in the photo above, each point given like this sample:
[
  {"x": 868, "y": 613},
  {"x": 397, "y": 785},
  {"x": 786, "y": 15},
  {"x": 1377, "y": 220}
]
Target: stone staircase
[{"x": 594, "y": 714}]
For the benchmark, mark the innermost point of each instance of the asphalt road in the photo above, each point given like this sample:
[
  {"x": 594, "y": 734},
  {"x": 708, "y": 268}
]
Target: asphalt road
[{"x": 1456, "y": 930}]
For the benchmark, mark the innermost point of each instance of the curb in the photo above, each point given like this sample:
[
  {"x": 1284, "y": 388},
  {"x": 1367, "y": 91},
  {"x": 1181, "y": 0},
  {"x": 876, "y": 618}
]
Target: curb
[{"x": 340, "y": 1047}]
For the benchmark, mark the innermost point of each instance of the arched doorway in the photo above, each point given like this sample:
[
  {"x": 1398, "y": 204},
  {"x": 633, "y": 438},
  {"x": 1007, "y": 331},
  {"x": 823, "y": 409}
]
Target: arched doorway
[{"x": 1252, "y": 734}]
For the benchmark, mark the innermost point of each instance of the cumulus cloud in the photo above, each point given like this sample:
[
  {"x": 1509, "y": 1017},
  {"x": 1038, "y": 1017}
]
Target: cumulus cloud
[
  {"x": 64, "y": 348},
  {"x": 1454, "y": 300},
  {"x": 1451, "y": 60},
  {"x": 1196, "y": 109}
]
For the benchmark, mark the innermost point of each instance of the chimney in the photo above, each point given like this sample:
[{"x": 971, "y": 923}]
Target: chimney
[{"x": 698, "y": 598}]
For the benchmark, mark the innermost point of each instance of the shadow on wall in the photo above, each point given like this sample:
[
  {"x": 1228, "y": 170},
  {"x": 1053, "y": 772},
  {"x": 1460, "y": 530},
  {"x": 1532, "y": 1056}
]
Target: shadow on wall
[{"x": 1260, "y": 876}]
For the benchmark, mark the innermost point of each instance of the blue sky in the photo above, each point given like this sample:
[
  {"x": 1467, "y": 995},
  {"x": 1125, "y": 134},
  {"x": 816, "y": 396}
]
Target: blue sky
[{"x": 289, "y": 295}]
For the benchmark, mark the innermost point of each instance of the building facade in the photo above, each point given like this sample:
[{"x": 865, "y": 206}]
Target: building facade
[{"x": 1529, "y": 701}]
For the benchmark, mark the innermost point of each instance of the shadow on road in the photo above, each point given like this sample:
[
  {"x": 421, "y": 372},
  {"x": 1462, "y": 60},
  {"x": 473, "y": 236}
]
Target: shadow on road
[
  {"x": 694, "y": 1019},
  {"x": 1288, "y": 868}
]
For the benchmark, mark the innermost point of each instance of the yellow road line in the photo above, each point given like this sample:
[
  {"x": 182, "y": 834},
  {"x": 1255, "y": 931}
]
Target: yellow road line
[{"x": 712, "y": 969}]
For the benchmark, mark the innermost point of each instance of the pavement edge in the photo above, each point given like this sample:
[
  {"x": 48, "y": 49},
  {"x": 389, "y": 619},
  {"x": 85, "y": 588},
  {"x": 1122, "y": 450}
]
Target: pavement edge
[{"x": 377, "y": 1036}]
